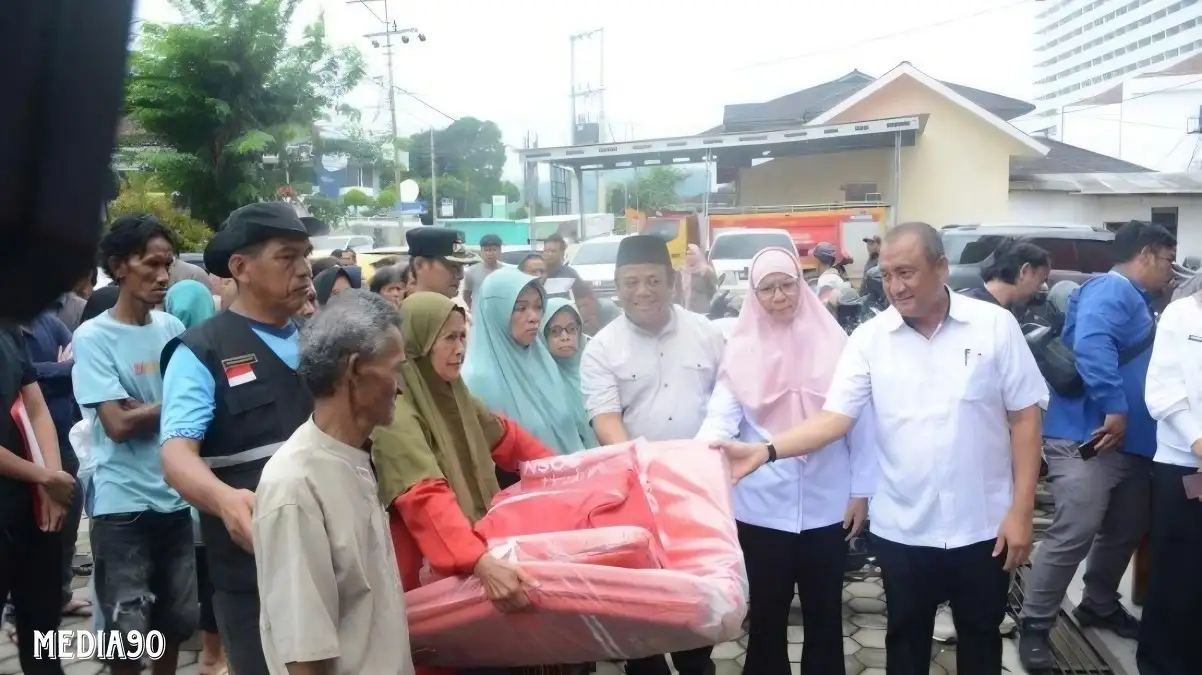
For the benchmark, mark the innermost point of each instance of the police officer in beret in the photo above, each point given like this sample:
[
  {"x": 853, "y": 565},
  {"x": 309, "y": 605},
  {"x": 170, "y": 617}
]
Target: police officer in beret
[
  {"x": 437, "y": 257},
  {"x": 231, "y": 397}
]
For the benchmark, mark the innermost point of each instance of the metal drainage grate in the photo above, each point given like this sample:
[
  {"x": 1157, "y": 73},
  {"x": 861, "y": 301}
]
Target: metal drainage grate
[{"x": 1070, "y": 648}]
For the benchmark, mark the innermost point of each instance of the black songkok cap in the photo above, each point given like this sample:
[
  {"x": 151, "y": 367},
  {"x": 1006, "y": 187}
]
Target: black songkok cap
[{"x": 643, "y": 249}]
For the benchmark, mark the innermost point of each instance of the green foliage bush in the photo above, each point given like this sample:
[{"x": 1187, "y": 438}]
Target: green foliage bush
[{"x": 190, "y": 234}]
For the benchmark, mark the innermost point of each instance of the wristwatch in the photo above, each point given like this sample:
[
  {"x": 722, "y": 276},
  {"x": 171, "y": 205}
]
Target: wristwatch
[{"x": 771, "y": 453}]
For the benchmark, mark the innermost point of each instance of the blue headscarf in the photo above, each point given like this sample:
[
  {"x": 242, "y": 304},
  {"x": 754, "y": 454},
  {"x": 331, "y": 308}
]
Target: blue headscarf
[
  {"x": 569, "y": 366},
  {"x": 524, "y": 383},
  {"x": 190, "y": 301}
]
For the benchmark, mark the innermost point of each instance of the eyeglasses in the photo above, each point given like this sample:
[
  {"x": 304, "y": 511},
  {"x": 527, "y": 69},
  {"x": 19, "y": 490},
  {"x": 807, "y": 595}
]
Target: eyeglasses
[
  {"x": 788, "y": 288},
  {"x": 560, "y": 331}
]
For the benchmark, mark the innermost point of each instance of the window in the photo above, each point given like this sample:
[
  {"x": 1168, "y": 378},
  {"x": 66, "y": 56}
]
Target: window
[
  {"x": 597, "y": 253},
  {"x": 744, "y": 246},
  {"x": 1064, "y": 256},
  {"x": 859, "y": 192},
  {"x": 1095, "y": 257},
  {"x": 967, "y": 247},
  {"x": 1165, "y": 216}
]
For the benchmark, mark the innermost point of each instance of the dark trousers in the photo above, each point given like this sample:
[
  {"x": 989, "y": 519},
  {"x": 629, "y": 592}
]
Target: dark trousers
[
  {"x": 691, "y": 662},
  {"x": 777, "y": 561},
  {"x": 917, "y": 579},
  {"x": 1171, "y": 621},
  {"x": 69, "y": 534},
  {"x": 204, "y": 592},
  {"x": 30, "y": 561},
  {"x": 238, "y": 622}
]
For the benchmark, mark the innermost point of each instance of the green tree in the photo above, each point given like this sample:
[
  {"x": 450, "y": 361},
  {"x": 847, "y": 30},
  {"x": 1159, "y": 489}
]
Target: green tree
[
  {"x": 225, "y": 87},
  {"x": 355, "y": 199},
  {"x": 469, "y": 158},
  {"x": 387, "y": 199},
  {"x": 190, "y": 234},
  {"x": 653, "y": 189}
]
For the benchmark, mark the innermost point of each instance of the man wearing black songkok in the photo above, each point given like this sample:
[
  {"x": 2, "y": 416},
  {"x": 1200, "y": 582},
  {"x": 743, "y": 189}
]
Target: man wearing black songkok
[{"x": 650, "y": 373}]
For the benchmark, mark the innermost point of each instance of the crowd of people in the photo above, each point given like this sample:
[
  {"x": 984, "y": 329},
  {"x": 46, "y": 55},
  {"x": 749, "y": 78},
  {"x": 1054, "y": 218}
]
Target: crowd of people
[{"x": 274, "y": 454}]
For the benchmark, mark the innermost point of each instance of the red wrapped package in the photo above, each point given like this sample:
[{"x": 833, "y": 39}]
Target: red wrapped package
[
  {"x": 628, "y": 547},
  {"x": 585, "y": 612}
]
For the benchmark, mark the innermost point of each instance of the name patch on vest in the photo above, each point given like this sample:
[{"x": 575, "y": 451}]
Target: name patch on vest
[{"x": 240, "y": 369}]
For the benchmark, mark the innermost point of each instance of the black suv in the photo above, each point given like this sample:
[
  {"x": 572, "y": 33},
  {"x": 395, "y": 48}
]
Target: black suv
[{"x": 1078, "y": 251}]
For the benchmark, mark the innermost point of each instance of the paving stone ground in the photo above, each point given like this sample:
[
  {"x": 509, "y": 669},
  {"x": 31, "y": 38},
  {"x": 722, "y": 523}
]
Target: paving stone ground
[{"x": 863, "y": 635}]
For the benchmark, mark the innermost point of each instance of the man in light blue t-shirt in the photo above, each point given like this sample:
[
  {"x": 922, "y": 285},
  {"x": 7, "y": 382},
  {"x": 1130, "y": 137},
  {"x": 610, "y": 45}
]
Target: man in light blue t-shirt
[{"x": 142, "y": 544}]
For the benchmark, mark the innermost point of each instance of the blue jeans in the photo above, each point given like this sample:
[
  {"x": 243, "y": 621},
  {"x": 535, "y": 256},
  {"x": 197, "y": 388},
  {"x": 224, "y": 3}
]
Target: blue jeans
[{"x": 144, "y": 564}]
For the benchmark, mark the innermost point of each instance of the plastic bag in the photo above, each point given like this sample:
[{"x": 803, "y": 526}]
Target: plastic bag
[{"x": 582, "y": 612}]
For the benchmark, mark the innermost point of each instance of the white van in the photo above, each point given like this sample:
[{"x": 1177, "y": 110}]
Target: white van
[{"x": 733, "y": 249}]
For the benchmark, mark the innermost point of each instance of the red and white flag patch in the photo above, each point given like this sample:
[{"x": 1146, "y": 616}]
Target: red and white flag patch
[{"x": 240, "y": 370}]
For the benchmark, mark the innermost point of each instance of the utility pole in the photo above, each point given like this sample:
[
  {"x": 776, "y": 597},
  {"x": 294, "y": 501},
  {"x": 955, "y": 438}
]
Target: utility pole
[
  {"x": 592, "y": 98},
  {"x": 433, "y": 180},
  {"x": 390, "y": 30}
]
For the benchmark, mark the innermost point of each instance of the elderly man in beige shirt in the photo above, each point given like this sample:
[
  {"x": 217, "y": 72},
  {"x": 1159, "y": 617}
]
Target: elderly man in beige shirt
[
  {"x": 331, "y": 600},
  {"x": 650, "y": 374}
]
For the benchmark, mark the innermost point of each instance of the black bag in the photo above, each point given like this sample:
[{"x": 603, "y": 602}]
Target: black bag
[{"x": 1058, "y": 363}]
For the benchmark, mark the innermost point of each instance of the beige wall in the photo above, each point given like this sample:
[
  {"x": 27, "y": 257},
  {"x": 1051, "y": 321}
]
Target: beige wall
[{"x": 957, "y": 172}]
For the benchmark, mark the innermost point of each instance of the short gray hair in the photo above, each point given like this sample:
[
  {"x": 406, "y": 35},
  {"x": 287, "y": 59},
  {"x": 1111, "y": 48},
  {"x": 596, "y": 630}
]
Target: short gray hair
[
  {"x": 932, "y": 243},
  {"x": 352, "y": 322}
]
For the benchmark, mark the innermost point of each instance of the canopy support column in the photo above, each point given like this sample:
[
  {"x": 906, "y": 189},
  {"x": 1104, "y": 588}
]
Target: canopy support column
[
  {"x": 895, "y": 198},
  {"x": 531, "y": 191},
  {"x": 580, "y": 203}
]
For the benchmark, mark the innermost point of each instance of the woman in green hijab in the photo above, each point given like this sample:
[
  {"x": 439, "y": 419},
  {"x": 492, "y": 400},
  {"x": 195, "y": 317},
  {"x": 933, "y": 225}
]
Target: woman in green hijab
[
  {"x": 510, "y": 367},
  {"x": 436, "y": 462},
  {"x": 190, "y": 301}
]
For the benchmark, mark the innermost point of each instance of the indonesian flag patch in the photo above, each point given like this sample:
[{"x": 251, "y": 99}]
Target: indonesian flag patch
[{"x": 240, "y": 369}]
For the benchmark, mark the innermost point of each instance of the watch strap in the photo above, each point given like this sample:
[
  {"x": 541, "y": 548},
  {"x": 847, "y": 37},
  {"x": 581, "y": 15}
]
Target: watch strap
[{"x": 771, "y": 453}]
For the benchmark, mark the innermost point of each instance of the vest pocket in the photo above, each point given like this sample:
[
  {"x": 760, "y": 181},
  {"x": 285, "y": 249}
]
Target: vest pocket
[{"x": 247, "y": 397}]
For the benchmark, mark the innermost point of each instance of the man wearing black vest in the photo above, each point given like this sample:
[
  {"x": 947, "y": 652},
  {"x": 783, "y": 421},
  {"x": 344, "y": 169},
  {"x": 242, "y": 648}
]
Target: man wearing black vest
[{"x": 231, "y": 397}]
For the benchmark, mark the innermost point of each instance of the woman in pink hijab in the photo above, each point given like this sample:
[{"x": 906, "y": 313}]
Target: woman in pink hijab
[
  {"x": 795, "y": 516},
  {"x": 698, "y": 281}
]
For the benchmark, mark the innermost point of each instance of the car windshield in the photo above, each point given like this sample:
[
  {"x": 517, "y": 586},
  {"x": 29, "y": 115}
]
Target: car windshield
[
  {"x": 745, "y": 246},
  {"x": 968, "y": 247},
  {"x": 329, "y": 243},
  {"x": 515, "y": 257},
  {"x": 597, "y": 253}
]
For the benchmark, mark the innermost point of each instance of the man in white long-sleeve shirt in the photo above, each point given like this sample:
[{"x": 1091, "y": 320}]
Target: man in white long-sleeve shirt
[{"x": 1171, "y": 622}]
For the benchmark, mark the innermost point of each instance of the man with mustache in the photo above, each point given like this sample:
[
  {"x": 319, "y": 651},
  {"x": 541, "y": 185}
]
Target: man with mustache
[
  {"x": 142, "y": 543},
  {"x": 231, "y": 398}
]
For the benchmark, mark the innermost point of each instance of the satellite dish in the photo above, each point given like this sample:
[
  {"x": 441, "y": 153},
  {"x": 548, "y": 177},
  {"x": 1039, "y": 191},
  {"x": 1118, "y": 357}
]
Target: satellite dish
[{"x": 408, "y": 190}]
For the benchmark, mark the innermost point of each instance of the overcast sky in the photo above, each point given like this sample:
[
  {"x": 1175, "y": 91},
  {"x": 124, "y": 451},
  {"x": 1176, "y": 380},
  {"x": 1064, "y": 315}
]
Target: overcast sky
[{"x": 670, "y": 65}]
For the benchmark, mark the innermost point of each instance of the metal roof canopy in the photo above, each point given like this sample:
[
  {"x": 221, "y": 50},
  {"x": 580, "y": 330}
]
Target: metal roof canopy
[{"x": 829, "y": 138}]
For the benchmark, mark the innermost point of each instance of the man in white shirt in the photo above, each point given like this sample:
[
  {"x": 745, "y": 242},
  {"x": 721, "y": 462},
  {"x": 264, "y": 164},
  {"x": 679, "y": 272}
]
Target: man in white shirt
[
  {"x": 1171, "y": 623},
  {"x": 650, "y": 374},
  {"x": 331, "y": 599},
  {"x": 956, "y": 393}
]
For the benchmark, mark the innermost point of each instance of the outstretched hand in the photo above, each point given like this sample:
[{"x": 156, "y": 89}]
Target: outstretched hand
[{"x": 744, "y": 457}]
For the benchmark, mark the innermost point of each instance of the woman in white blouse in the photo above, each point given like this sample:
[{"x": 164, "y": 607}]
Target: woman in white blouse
[
  {"x": 1171, "y": 621},
  {"x": 794, "y": 516}
]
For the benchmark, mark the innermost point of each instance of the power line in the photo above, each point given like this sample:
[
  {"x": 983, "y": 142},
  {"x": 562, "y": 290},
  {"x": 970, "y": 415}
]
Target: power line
[
  {"x": 373, "y": 12},
  {"x": 879, "y": 38}
]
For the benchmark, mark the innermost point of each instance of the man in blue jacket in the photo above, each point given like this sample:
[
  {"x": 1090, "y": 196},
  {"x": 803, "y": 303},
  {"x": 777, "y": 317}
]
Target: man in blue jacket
[{"x": 1102, "y": 502}]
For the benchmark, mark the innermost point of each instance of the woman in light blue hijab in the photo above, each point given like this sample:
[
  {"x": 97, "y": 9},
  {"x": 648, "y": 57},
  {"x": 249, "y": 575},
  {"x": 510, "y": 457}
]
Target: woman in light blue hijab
[
  {"x": 563, "y": 330},
  {"x": 509, "y": 367},
  {"x": 191, "y": 302}
]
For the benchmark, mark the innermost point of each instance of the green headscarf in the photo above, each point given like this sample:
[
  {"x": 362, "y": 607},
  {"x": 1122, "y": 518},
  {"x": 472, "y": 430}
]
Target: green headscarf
[
  {"x": 190, "y": 301},
  {"x": 569, "y": 366},
  {"x": 524, "y": 383},
  {"x": 439, "y": 432}
]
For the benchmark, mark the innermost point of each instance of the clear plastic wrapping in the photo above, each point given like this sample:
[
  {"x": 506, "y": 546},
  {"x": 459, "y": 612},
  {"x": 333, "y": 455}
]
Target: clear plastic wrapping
[{"x": 583, "y": 612}]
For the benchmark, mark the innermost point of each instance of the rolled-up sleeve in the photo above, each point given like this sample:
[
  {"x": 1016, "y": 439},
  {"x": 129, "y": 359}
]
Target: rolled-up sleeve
[
  {"x": 189, "y": 398},
  {"x": 1022, "y": 384},
  {"x": 851, "y": 387},
  {"x": 1166, "y": 390},
  {"x": 598, "y": 382},
  {"x": 297, "y": 584},
  {"x": 863, "y": 446},
  {"x": 723, "y": 416}
]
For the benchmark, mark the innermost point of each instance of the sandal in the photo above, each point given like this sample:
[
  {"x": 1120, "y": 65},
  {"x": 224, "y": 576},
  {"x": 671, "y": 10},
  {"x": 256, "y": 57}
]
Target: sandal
[{"x": 78, "y": 607}]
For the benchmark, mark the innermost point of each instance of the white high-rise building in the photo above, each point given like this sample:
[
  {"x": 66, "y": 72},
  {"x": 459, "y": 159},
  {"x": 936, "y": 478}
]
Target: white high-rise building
[{"x": 1087, "y": 50}]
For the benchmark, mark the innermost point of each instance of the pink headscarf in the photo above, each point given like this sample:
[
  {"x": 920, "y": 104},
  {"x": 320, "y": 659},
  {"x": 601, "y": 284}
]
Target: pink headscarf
[
  {"x": 694, "y": 263},
  {"x": 781, "y": 372}
]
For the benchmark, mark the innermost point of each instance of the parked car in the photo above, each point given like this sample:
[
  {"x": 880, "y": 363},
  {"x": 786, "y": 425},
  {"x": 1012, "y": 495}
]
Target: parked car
[
  {"x": 595, "y": 261},
  {"x": 734, "y": 248},
  {"x": 1077, "y": 251},
  {"x": 197, "y": 259},
  {"x": 514, "y": 256}
]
